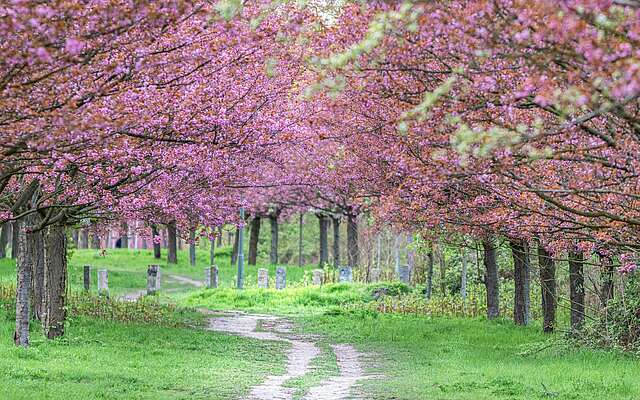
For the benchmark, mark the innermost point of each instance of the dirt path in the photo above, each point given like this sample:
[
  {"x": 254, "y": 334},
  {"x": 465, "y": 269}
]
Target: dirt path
[{"x": 303, "y": 350}]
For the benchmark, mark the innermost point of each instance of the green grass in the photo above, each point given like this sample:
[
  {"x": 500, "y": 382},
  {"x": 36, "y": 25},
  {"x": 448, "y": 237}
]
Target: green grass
[
  {"x": 456, "y": 359},
  {"x": 305, "y": 299},
  {"x": 127, "y": 269},
  {"x": 322, "y": 367},
  {"x": 106, "y": 360},
  {"x": 420, "y": 357}
]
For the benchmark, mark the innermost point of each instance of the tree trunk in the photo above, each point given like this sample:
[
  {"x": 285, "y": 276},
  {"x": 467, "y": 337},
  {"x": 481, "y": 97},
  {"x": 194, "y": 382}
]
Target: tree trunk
[
  {"x": 273, "y": 253},
  {"x": 75, "y": 236},
  {"x": 23, "y": 285},
  {"x": 192, "y": 247},
  {"x": 378, "y": 250},
  {"x": 234, "y": 253},
  {"x": 172, "y": 245},
  {"x": 95, "y": 241},
  {"x": 212, "y": 250},
  {"x": 219, "y": 237},
  {"x": 491, "y": 279},
  {"x": 429, "y": 286},
  {"x": 336, "y": 241},
  {"x": 124, "y": 235},
  {"x": 4, "y": 239},
  {"x": 55, "y": 281},
  {"x": 300, "y": 223},
  {"x": 240, "y": 280},
  {"x": 37, "y": 244},
  {"x": 353, "y": 253},
  {"x": 607, "y": 280},
  {"x": 443, "y": 270},
  {"x": 522, "y": 279},
  {"x": 411, "y": 254},
  {"x": 253, "y": 240},
  {"x": 548, "y": 286},
  {"x": 576, "y": 290},
  {"x": 463, "y": 277},
  {"x": 396, "y": 254},
  {"x": 84, "y": 239},
  {"x": 324, "y": 240},
  {"x": 15, "y": 246},
  {"x": 157, "y": 251}
]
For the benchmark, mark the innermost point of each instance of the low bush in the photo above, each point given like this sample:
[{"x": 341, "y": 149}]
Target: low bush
[{"x": 618, "y": 325}]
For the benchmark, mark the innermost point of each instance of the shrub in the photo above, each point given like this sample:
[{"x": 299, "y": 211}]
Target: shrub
[{"x": 618, "y": 326}]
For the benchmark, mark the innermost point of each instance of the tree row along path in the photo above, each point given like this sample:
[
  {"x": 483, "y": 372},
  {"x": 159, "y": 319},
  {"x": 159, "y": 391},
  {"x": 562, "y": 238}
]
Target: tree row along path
[{"x": 303, "y": 350}]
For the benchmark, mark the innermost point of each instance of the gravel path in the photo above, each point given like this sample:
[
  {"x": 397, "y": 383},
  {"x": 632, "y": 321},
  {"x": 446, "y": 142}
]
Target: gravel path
[{"x": 303, "y": 350}]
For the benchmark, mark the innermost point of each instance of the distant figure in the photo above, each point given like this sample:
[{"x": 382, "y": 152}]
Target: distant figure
[{"x": 119, "y": 243}]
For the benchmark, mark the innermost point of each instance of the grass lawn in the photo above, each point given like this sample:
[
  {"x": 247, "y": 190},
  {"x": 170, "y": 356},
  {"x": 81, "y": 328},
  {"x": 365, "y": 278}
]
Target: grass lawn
[
  {"x": 107, "y": 360},
  {"x": 128, "y": 268},
  {"x": 453, "y": 359},
  {"x": 420, "y": 357},
  {"x": 443, "y": 358}
]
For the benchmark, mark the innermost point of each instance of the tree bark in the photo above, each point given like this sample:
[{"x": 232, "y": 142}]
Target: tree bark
[
  {"x": 219, "y": 237},
  {"x": 396, "y": 254},
  {"x": 429, "y": 286},
  {"x": 576, "y": 290},
  {"x": 4, "y": 239},
  {"x": 411, "y": 254},
  {"x": 172, "y": 245},
  {"x": 253, "y": 240},
  {"x": 273, "y": 253},
  {"x": 15, "y": 246},
  {"x": 37, "y": 244},
  {"x": 323, "y": 225},
  {"x": 55, "y": 281},
  {"x": 336, "y": 241},
  {"x": 548, "y": 286},
  {"x": 234, "y": 253},
  {"x": 522, "y": 280},
  {"x": 212, "y": 250},
  {"x": 84, "y": 239},
  {"x": 353, "y": 253},
  {"x": 463, "y": 277},
  {"x": 300, "y": 225},
  {"x": 192, "y": 247},
  {"x": 124, "y": 235},
  {"x": 156, "y": 239},
  {"x": 607, "y": 280},
  {"x": 23, "y": 285},
  {"x": 95, "y": 241},
  {"x": 491, "y": 279},
  {"x": 443, "y": 270},
  {"x": 75, "y": 236}
]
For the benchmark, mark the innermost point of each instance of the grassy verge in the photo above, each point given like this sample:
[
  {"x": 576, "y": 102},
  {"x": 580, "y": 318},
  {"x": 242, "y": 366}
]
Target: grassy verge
[
  {"x": 441, "y": 358},
  {"x": 108, "y": 360}
]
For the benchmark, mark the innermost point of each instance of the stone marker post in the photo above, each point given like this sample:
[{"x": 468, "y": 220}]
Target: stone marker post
[
  {"x": 87, "y": 278},
  {"x": 263, "y": 278},
  {"x": 103, "y": 283},
  {"x": 317, "y": 277},
  {"x": 153, "y": 279},
  {"x": 404, "y": 274},
  {"x": 211, "y": 277},
  {"x": 281, "y": 278},
  {"x": 346, "y": 274}
]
